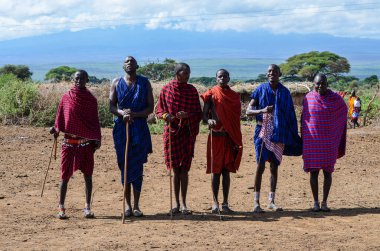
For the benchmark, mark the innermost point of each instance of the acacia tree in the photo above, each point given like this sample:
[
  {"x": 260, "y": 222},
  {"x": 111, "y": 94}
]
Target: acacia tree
[
  {"x": 307, "y": 65},
  {"x": 61, "y": 73},
  {"x": 20, "y": 71},
  {"x": 158, "y": 71}
]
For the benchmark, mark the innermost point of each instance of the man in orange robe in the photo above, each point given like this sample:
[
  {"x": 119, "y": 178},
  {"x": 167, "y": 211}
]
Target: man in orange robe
[
  {"x": 351, "y": 100},
  {"x": 221, "y": 112}
]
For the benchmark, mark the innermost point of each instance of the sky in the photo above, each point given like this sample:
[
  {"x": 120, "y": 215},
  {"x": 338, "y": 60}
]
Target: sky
[{"x": 354, "y": 19}]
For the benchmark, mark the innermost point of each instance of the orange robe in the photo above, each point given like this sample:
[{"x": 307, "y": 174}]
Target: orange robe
[
  {"x": 227, "y": 149},
  {"x": 351, "y": 101}
]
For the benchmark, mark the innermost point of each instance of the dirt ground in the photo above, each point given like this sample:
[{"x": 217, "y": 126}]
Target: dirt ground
[{"x": 27, "y": 221}]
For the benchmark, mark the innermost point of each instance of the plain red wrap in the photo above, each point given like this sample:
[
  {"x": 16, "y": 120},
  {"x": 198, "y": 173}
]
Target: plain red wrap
[
  {"x": 77, "y": 114},
  {"x": 228, "y": 108}
]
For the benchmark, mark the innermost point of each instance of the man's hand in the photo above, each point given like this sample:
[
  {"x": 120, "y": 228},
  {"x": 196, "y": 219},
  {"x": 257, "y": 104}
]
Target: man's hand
[
  {"x": 54, "y": 132},
  {"x": 127, "y": 116},
  {"x": 268, "y": 109},
  {"x": 211, "y": 123},
  {"x": 97, "y": 143},
  {"x": 182, "y": 115}
]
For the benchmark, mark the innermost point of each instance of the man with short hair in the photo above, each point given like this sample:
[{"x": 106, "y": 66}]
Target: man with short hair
[
  {"x": 276, "y": 132},
  {"x": 221, "y": 112},
  {"x": 131, "y": 101},
  {"x": 77, "y": 117},
  {"x": 323, "y": 127},
  {"x": 179, "y": 104}
]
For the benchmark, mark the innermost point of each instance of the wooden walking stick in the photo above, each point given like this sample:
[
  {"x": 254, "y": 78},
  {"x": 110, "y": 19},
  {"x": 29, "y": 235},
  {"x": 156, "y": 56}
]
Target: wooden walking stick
[
  {"x": 53, "y": 149},
  {"x": 170, "y": 171},
  {"x": 212, "y": 163},
  {"x": 125, "y": 167}
]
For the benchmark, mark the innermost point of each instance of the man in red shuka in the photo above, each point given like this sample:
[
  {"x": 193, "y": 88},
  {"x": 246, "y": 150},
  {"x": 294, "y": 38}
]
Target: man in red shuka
[
  {"x": 179, "y": 104},
  {"x": 77, "y": 117},
  {"x": 221, "y": 112}
]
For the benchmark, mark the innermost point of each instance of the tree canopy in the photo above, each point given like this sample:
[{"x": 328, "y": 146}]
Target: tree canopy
[
  {"x": 371, "y": 80},
  {"x": 61, "y": 73},
  {"x": 158, "y": 71},
  {"x": 20, "y": 71},
  {"x": 307, "y": 65}
]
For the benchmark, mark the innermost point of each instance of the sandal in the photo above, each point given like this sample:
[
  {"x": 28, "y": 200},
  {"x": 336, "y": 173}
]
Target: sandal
[
  {"x": 316, "y": 207},
  {"x": 174, "y": 211},
  {"x": 61, "y": 214},
  {"x": 258, "y": 209},
  {"x": 88, "y": 214},
  {"x": 274, "y": 207},
  {"x": 324, "y": 207},
  {"x": 215, "y": 209},
  {"x": 186, "y": 211},
  {"x": 128, "y": 213},
  {"x": 226, "y": 209},
  {"x": 137, "y": 213}
]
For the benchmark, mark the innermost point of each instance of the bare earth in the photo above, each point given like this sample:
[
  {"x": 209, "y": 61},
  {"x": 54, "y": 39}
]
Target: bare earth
[{"x": 28, "y": 221}]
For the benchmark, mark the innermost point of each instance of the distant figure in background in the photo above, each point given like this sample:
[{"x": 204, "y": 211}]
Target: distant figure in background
[
  {"x": 356, "y": 113},
  {"x": 179, "y": 104},
  {"x": 351, "y": 100},
  {"x": 221, "y": 112},
  {"x": 131, "y": 101},
  {"x": 323, "y": 127},
  {"x": 77, "y": 117},
  {"x": 276, "y": 132}
]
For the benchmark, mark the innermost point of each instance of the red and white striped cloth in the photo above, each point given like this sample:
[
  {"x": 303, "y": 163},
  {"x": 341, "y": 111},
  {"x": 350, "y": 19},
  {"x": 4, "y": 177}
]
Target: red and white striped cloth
[{"x": 266, "y": 134}]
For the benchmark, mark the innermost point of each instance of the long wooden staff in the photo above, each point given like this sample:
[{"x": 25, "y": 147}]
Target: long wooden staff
[
  {"x": 54, "y": 148},
  {"x": 125, "y": 168},
  {"x": 212, "y": 163},
  {"x": 170, "y": 171}
]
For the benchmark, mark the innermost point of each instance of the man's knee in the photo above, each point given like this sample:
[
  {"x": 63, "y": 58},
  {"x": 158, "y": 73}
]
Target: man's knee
[
  {"x": 65, "y": 181},
  {"x": 273, "y": 168},
  {"x": 260, "y": 169},
  {"x": 314, "y": 174},
  {"x": 327, "y": 175}
]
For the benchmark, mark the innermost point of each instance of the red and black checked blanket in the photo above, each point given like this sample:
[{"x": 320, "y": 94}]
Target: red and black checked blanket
[
  {"x": 77, "y": 114},
  {"x": 323, "y": 130},
  {"x": 175, "y": 97}
]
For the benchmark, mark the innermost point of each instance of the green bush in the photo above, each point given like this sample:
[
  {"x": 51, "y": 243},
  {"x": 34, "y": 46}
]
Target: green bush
[
  {"x": 17, "y": 98},
  {"x": 45, "y": 116},
  {"x": 365, "y": 97},
  {"x": 105, "y": 117},
  {"x": 158, "y": 128}
]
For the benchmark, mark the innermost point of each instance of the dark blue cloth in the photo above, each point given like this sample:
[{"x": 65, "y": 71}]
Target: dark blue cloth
[
  {"x": 285, "y": 122},
  {"x": 140, "y": 143}
]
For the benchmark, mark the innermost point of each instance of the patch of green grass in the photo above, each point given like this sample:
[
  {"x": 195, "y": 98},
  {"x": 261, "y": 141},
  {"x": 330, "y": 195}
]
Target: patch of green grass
[{"x": 158, "y": 128}]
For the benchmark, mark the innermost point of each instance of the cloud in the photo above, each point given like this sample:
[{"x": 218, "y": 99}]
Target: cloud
[{"x": 335, "y": 17}]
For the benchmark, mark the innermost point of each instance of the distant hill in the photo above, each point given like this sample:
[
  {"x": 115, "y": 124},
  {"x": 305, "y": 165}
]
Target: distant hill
[{"x": 246, "y": 54}]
